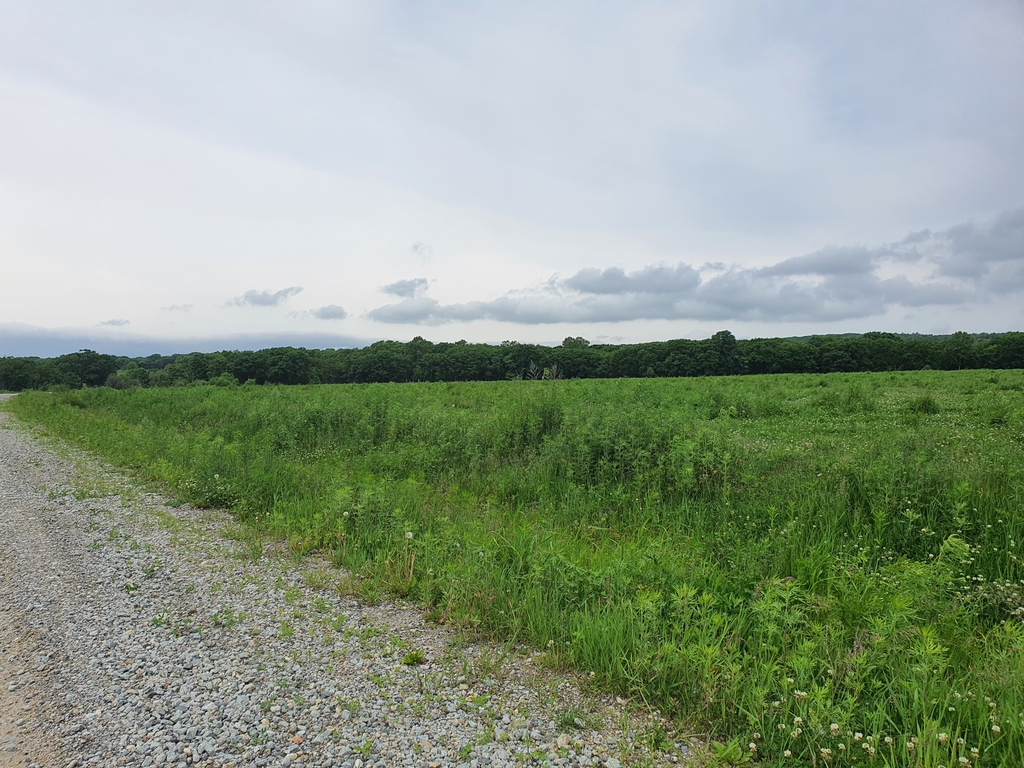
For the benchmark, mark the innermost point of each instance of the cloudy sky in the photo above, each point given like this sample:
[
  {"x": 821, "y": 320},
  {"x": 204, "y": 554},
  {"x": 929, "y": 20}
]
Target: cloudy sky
[{"x": 185, "y": 175}]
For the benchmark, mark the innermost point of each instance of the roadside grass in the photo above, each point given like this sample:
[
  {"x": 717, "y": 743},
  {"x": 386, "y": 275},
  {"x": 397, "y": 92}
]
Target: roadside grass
[{"x": 820, "y": 566}]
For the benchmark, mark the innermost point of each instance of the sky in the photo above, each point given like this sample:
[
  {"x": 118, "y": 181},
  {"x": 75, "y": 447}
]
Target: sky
[{"x": 179, "y": 176}]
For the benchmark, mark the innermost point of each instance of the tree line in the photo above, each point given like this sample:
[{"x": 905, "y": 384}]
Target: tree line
[{"x": 422, "y": 360}]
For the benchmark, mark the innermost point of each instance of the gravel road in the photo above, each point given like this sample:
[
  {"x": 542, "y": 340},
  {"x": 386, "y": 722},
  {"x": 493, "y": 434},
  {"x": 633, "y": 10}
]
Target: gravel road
[{"x": 135, "y": 632}]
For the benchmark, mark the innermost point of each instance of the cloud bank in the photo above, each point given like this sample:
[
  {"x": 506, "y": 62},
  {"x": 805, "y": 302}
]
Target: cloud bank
[{"x": 965, "y": 265}]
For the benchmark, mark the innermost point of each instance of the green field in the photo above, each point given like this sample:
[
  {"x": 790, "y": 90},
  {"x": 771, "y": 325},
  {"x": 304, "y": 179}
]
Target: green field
[{"x": 823, "y": 566}]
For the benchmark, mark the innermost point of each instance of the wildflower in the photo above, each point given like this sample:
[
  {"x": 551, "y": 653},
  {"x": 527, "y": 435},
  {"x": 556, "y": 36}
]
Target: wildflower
[
  {"x": 858, "y": 736},
  {"x": 964, "y": 760},
  {"x": 790, "y": 680},
  {"x": 782, "y": 726},
  {"x": 787, "y": 753},
  {"x": 798, "y": 720},
  {"x": 888, "y": 739},
  {"x": 911, "y": 745},
  {"x": 995, "y": 729},
  {"x": 796, "y": 733},
  {"x": 345, "y": 513},
  {"x": 551, "y": 643},
  {"x": 841, "y": 745},
  {"x": 871, "y": 751},
  {"x": 752, "y": 747},
  {"x": 757, "y": 736},
  {"x": 943, "y": 738},
  {"x": 800, "y": 695},
  {"x": 834, "y": 728},
  {"x": 408, "y": 534}
]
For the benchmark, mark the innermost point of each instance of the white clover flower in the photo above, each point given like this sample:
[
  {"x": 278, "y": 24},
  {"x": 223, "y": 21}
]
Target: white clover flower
[
  {"x": 996, "y": 729},
  {"x": 943, "y": 738},
  {"x": 408, "y": 534},
  {"x": 834, "y": 728},
  {"x": 787, "y": 753}
]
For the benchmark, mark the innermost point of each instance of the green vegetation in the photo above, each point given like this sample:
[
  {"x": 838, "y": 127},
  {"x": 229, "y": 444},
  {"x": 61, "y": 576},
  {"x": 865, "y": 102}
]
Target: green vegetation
[
  {"x": 825, "y": 567},
  {"x": 420, "y": 360}
]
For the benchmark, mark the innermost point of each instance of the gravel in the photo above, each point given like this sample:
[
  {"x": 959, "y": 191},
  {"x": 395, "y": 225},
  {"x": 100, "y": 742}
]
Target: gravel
[{"x": 138, "y": 633}]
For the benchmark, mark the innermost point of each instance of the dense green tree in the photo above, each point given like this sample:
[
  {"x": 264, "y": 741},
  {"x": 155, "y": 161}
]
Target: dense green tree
[{"x": 86, "y": 368}]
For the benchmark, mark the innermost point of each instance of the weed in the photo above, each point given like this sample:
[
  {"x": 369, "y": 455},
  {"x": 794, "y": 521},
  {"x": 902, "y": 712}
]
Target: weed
[
  {"x": 414, "y": 658},
  {"x": 318, "y": 579}
]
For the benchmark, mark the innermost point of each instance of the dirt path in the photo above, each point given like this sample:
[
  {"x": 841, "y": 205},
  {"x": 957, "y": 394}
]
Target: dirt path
[{"x": 27, "y": 732}]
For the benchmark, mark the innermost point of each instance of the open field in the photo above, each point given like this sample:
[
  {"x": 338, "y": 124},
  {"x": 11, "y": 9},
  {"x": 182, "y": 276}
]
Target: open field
[{"x": 824, "y": 567}]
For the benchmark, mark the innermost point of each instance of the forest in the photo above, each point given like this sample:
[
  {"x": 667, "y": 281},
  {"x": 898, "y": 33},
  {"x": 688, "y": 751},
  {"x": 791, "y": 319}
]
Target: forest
[{"x": 420, "y": 360}]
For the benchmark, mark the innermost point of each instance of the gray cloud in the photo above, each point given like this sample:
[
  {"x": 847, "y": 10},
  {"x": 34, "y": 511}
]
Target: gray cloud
[
  {"x": 25, "y": 340},
  {"x": 178, "y": 308},
  {"x": 827, "y": 261},
  {"x": 116, "y": 321},
  {"x": 660, "y": 279},
  {"x": 330, "y": 312},
  {"x": 415, "y": 310},
  {"x": 256, "y": 298},
  {"x": 962, "y": 266},
  {"x": 406, "y": 289}
]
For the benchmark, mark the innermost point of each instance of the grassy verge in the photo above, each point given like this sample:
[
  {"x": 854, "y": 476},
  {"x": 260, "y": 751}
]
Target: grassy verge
[{"x": 813, "y": 569}]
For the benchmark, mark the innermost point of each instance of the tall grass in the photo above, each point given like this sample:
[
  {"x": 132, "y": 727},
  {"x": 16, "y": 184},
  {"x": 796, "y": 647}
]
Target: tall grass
[{"x": 823, "y": 567}]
